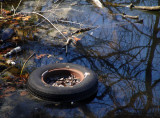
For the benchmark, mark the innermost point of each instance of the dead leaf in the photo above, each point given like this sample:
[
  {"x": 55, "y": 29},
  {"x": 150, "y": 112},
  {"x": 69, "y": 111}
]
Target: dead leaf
[
  {"x": 49, "y": 55},
  {"x": 19, "y": 83},
  {"x": 60, "y": 58},
  {"x": 76, "y": 39},
  {"x": 2, "y": 58},
  {"x": 15, "y": 38},
  {"x": 24, "y": 76},
  {"x": 1, "y": 96},
  {"x": 26, "y": 18},
  {"x": 5, "y": 12},
  {"x": 17, "y": 18},
  {"x": 40, "y": 56},
  {"x": 23, "y": 93},
  {"x": 7, "y": 95},
  {"x": 7, "y": 78},
  {"x": 15, "y": 23},
  {"x": 8, "y": 17},
  {"x": 65, "y": 33},
  {"x": 9, "y": 89}
]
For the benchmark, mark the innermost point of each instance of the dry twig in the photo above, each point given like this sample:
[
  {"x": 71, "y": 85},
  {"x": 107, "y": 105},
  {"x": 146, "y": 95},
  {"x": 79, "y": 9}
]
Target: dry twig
[{"x": 26, "y": 62}]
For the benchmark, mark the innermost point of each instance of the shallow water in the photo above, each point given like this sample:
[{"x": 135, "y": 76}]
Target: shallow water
[{"x": 123, "y": 53}]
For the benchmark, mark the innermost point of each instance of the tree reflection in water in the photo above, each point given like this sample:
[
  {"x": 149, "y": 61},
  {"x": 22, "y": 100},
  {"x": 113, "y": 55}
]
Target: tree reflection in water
[{"x": 126, "y": 59}]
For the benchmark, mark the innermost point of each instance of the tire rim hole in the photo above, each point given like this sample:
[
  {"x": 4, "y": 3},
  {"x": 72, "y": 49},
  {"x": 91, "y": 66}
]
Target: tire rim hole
[{"x": 62, "y": 77}]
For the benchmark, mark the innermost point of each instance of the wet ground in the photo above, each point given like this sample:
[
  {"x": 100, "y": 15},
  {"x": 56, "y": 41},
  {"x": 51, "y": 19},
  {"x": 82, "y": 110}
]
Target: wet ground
[{"x": 123, "y": 52}]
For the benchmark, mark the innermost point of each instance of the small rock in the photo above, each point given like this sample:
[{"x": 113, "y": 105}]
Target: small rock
[
  {"x": 67, "y": 81},
  {"x": 61, "y": 79},
  {"x": 68, "y": 84},
  {"x": 10, "y": 62},
  {"x": 7, "y": 34},
  {"x": 54, "y": 84},
  {"x": 59, "y": 82},
  {"x": 13, "y": 51},
  {"x": 60, "y": 86},
  {"x": 77, "y": 80}
]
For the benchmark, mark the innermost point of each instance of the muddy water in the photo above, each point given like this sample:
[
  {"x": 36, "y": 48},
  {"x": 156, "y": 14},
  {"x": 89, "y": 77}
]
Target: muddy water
[{"x": 123, "y": 52}]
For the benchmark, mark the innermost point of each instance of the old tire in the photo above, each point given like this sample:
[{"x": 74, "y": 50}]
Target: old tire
[{"x": 86, "y": 88}]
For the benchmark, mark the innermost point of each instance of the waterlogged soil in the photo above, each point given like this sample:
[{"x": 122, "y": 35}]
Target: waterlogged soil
[{"x": 123, "y": 52}]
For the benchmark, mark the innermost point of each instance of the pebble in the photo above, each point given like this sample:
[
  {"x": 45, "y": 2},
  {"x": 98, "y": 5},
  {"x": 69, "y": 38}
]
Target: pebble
[{"x": 7, "y": 34}]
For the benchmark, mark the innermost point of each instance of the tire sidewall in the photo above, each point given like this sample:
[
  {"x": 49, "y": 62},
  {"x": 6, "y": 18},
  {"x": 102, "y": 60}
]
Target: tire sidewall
[{"x": 88, "y": 85}]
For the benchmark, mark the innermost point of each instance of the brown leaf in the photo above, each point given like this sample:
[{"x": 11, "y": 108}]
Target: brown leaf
[
  {"x": 60, "y": 58},
  {"x": 65, "y": 33},
  {"x": 26, "y": 18},
  {"x": 24, "y": 77},
  {"x": 40, "y": 56},
  {"x": 9, "y": 89},
  {"x": 49, "y": 55},
  {"x": 76, "y": 39},
  {"x": 15, "y": 38},
  {"x": 5, "y": 12},
  {"x": 1, "y": 57},
  {"x": 8, "y": 17},
  {"x": 18, "y": 18},
  {"x": 23, "y": 93},
  {"x": 7, "y": 95},
  {"x": 1, "y": 96}
]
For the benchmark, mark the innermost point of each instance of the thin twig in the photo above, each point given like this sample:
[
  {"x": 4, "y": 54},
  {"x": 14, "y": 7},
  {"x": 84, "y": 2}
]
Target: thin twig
[
  {"x": 42, "y": 20},
  {"x": 50, "y": 23},
  {"x": 5, "y": 70},
  {"x": 71, "y": 22},
  {"x": 17, "y": 6},
  {"x": 49, "y": 13},
  {"x": 56, "y": 9},
  {"x": 1, "y": 8},
  {"x": 66, "y": 49},
  {"x": 36, "y": 6},
  {"x": 26, "y": 62}
]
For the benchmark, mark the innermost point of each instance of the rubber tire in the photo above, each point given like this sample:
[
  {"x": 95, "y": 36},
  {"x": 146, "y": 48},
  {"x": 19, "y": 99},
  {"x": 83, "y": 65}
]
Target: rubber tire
[{"x": 86, "y": 88}]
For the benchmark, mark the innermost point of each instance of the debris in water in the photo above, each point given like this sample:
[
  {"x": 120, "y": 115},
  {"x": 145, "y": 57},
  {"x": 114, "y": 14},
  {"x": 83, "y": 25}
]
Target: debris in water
[
  {"x": 10, "y": 62},
  {"x": 13, "y": 51},
  {"x": 65, "y": 81}
]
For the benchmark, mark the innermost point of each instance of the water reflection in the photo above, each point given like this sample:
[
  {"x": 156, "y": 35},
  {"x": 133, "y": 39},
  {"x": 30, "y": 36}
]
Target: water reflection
[{"x": 123, "y": 53}]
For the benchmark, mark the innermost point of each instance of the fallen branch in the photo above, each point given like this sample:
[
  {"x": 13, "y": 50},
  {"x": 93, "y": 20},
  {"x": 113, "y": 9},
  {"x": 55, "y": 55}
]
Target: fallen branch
[
  {"x": 131, "y": 6},
  {"x": 5, "y": 70},
  {"x": 127, "y": 16},
  {"x": 83, "y": 30},
  {"x": 72, "y": 22},
  {"x": 148, "y": 8}
]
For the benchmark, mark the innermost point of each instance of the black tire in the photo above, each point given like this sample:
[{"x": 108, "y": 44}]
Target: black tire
[{"x": 86, "y": 88}]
